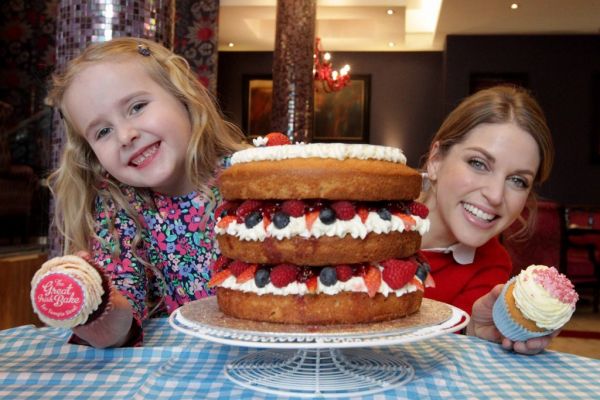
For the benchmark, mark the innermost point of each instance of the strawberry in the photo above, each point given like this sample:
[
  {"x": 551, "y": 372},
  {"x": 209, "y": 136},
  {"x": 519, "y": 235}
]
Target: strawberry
[
  {"x": 417, "y": 283},
  {"x": 312, "y": 283},
  {"x": 418, "y": 209},
  {"x": 237, "y": 267},
  {"x": 363, "y": 213},
  {"x": 220, "y": 263},
  {"x": 283, "y": 274},
  {"x": 397, "y": 273},
  {"x": 266, "y": 221},
  {"x": 225, "y": 221},
  {"x": 409, "y": 222},
  {"x": 293, "y": 208},
  {"x": 224, "y": 207},
  {"x": 343, "y": 272},
  {"x": 311, "y": 217},
  {"x": 219, "y": 277},
  {"x": 247, "y": 274},
  {"x": 246, "y": 208},
  {"x": 429, "y": 282},
  {"x": 344, "y": 210},
  {"x": 372, "y": 280},
  {"x": 277, "y": 139}
]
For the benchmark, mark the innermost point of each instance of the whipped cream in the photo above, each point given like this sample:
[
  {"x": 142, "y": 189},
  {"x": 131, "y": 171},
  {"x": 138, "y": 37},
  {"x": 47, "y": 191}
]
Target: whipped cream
[
  {"x": 298, "y": 227},
  {"x": 340, "y": 151},
  {"x": 354, "y": 284},
  {"x": 545, "y": 296}
]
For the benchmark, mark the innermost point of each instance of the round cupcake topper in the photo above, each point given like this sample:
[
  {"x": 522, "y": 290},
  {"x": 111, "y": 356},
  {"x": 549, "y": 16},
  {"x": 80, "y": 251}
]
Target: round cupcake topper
[{"x": 58, "y": 296}]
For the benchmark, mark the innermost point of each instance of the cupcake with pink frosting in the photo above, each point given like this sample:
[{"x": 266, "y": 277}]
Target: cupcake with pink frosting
[{"x": 534, "y": 303}]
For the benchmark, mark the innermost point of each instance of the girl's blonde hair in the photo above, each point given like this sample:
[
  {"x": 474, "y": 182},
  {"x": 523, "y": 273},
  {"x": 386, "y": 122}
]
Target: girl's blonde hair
[
  {"x": 500, "y": 104},
  {"x": 80, "y": 179}
]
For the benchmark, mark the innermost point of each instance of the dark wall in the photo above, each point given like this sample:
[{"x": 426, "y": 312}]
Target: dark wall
[
  {"x": 412, "y": 92},
  {"x": 560, "y": 71},
  {"x": 406, "y": 93}
]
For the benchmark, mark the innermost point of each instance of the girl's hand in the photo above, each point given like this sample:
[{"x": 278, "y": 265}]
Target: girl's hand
[
  {"x": 112, "y": 328},
  {"x": 482, "y": 325}
]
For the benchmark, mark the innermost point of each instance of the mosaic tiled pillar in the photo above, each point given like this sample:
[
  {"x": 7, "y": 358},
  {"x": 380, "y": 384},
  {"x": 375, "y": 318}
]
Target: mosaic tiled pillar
[
  {"x": 82, "y": 22},
  {"x": 196, "y": 38},
  {"x": 293, "y": 69}
]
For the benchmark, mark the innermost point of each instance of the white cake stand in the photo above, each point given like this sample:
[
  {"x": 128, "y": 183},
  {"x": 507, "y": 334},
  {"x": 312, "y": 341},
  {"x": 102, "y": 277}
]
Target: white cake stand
[{"x": 311, "y": 362}]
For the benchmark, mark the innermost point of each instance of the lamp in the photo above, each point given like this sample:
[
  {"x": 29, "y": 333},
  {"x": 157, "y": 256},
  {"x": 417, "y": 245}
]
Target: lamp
[{"x": 326, "y": 78}]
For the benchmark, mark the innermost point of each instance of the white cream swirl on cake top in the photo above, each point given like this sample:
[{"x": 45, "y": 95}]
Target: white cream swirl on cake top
[
  {"x": 545, "y": 296},
  {"x": 340, "y": 151}
]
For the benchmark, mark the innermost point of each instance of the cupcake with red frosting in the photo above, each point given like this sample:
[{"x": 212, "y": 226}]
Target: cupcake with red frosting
[{"x": 534, "y": 303}]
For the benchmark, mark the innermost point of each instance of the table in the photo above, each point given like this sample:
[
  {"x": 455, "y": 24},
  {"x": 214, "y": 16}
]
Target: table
[{"x": 38, "y": 363}]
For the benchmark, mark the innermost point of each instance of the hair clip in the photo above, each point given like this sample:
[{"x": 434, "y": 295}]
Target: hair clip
[{"x": 144, "y": 50}]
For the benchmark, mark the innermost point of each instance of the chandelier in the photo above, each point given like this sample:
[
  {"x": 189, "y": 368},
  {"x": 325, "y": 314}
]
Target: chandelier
[{"x": 326, "y": 78}]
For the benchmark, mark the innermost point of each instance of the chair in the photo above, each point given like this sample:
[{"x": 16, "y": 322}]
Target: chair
[
  {"x": 580, "y": 255},
  {"x": 543, "y": 245}
]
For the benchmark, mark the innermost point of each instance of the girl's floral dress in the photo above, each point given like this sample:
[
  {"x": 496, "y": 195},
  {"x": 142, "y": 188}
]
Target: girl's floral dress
[{"x": 178, "y": 244}]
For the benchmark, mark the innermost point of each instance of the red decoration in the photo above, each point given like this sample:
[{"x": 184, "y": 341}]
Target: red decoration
[{"x": 326, "y": 78}]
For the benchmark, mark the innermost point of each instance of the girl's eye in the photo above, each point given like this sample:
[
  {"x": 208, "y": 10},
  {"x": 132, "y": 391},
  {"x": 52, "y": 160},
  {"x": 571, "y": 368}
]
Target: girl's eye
[
  {"x": 477, "y": 164},
  {"x": 519, "y": 182},
  {"x": 102, "y": 132},
  {"x": 137, "y": 107}
]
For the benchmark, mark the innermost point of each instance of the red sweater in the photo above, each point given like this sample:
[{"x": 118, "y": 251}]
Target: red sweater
[{"x": 460, "y": 285}]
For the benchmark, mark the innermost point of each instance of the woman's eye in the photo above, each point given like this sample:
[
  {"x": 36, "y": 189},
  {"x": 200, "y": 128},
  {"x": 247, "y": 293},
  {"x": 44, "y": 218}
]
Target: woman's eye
[
  {"x": 519, "y": 182},
  {"x": 477, "y": 164},
  {"x": 137, "y": 107},
  {"x": 102, "y": 132}
]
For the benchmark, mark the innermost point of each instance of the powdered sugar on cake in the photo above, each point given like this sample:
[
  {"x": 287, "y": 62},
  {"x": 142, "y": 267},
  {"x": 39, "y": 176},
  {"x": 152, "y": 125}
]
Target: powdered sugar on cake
[{"x": 340, "y": 151}]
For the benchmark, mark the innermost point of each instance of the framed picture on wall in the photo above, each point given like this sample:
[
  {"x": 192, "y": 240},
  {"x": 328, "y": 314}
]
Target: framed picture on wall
[
  {"x": 257, "y": 101},
  {"x": 341, "y": 116},
  {"x": 484, "y": 80}
]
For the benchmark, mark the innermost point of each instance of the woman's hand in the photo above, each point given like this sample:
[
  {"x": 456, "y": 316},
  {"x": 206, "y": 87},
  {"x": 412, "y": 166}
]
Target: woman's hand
[
  {"x": 112, "y": 328},
  {"x": 482, "y": 325}
]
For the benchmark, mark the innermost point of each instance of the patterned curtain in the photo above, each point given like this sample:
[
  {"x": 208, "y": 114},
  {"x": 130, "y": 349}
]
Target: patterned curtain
[{"x": 196, "y": 38}]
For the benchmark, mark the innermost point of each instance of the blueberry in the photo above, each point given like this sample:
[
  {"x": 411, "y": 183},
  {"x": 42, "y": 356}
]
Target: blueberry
[
  {"x": 261, "y": 278},
  {"x": 422, "y": 271},
  {"x": 384, "y": 214},
  {"x": 281, "y": 220},
  {"x": 328, "y": 276},
  {"x": 252, "y": 219},
  {"x": 327, "y": 216}
]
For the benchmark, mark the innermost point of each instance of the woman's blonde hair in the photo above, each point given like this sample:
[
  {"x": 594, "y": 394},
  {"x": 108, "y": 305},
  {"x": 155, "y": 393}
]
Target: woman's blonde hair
[
  {"x": 500, "y": 104},
  {"x": 80, "y": 179}
]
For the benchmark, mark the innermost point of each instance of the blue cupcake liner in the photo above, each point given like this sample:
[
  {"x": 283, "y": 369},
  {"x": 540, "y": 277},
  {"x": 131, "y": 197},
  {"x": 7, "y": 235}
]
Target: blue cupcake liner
[{"x": 506, "y": 324}]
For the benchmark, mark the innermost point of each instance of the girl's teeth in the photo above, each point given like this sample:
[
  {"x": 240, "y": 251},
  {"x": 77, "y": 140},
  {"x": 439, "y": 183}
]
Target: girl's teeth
[
  {"x": 147, "y": 153},
  {"x": 477, "y": 212}
]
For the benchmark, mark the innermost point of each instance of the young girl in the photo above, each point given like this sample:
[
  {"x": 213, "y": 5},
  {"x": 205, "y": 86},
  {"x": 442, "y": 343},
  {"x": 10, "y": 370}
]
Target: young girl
[
  {"x": 135, "y": 185},
  {"x": 482, "y": 166}
]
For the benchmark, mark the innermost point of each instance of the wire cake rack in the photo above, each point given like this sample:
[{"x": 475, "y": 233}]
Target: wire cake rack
[{"x": 317, "y": 361}]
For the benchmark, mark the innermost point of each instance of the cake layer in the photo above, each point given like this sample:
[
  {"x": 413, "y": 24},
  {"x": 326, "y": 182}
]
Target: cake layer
[
  {"x": 342, "y": 308},
  {"x": 322, "y": 251},
  {"x": 312, "y": 178}
]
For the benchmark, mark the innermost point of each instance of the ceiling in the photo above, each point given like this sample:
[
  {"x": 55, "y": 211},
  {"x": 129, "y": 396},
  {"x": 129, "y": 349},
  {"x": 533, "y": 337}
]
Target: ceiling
[{"x": 415, "y": 25}]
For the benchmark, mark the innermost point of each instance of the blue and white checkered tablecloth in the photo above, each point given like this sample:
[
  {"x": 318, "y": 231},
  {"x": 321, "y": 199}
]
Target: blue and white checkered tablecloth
[{"x": 38, "y": 363}]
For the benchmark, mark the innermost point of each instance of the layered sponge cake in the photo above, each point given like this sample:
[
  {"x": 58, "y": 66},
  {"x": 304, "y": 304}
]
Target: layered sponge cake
[{"x": 319, "y": 234}]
